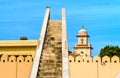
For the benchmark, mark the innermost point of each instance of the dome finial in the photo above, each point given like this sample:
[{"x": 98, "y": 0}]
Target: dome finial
[{"x": 82, "y": 26}]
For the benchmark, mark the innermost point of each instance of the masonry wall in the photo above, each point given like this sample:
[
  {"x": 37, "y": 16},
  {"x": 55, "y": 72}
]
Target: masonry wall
[
  {"x": 15, "y": 67},
  {"x": 20, "y": 66},
  {"x": 94, "y": 68}
]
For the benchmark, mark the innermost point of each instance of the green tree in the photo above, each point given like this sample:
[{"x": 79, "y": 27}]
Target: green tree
[{"x": 110, "y": 51}]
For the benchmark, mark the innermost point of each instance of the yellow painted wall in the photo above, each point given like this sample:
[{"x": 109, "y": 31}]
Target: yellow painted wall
[
  {"x": 19, "y": 50},
  {"x": 18, "y": 47}
]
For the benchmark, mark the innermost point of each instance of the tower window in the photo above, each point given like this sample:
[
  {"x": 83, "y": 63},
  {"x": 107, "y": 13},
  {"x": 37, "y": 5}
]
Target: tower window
[
  {"x": 96, "y": 61},
  {"x": 70, "y": 60},
  {"x": 105, "y": 61},
  {"x": 19, "y": 60},
  {"x": 82, "y": 41},
  {"x": 81, "y": 52},
  {"x": 115, "y": 61},
  {"x": 3, "y": 60},
  {"x": 87, "y": 61},
  {"x": 11, "y": 60},
  {"x": 79, "y": 61},
  {"x": 28, "y": 61}
]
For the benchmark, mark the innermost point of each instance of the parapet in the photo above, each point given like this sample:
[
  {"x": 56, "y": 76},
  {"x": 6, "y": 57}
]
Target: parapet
[
  {"x": 13, "y": 58},
  {"x": 96, "y": 59}
]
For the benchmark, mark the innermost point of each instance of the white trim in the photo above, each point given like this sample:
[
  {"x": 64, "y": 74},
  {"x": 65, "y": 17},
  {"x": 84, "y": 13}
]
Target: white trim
[
  {"x": 40, "y": 45},
  {"x": 65, "y": 62}
]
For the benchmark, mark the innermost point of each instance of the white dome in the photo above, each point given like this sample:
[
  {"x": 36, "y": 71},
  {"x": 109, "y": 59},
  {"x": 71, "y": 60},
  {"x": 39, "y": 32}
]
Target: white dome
[{"x": 82, "y": 32}]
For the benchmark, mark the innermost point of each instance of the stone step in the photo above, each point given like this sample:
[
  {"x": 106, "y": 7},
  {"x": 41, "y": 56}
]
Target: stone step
[
  {"x": 49, "y": 74},
  {"x": 52, "y": 53},
  {"x": 47, "y": 50},
  {"x": 50, "y": 69},
  {"x": 51, "y": 58},
  {"x": 49, "y": 28},
  {"x": 51, "y": 61},
  {"x": 44, "y": 58},
  {"x": 49, "y": 77},
  {"x": 56, "y": 64}
]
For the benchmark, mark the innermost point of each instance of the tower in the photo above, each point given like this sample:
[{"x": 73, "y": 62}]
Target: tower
[{"x": 82, "y": 48}]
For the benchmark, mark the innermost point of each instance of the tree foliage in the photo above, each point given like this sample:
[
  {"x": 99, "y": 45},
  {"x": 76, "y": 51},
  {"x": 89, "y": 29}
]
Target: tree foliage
[{"x": 110, "y": 51}]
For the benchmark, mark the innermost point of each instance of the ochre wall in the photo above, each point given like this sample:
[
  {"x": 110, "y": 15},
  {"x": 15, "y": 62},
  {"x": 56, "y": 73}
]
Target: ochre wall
[
  {"x": 94, "y": 68},
  {"x": 15, "y": 67},
  {"x": 20, "y": 66},
  {"x": 16, "y": 61}
]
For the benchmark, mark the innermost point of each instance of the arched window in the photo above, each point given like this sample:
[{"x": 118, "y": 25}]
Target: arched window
[
  {"x": 82, "y": 41},
  {"x": 105, "y": 61},
  {"x": 82, "y": 52},
  {"x": 87, "y": 61},
  {"x": 70, "y": 60},
  {"x": 79, "y": 61},
  {"x": 96, "y": 61},
  {"x": 115, "y": 61}
]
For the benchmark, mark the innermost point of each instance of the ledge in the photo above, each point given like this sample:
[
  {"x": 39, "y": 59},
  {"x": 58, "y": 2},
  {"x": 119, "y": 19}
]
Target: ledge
[{"x": 17, "y": 43}]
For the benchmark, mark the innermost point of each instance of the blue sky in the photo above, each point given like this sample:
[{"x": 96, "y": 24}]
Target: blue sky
[{"x": 101, "y": 19}]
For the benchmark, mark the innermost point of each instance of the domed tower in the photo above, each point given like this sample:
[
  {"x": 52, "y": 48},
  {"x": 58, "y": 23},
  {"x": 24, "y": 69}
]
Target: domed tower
[{"x": 83, "y": 48}]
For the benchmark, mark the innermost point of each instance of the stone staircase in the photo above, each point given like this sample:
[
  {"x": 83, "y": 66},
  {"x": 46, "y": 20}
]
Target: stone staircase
[{"x": 50, "y": 65}]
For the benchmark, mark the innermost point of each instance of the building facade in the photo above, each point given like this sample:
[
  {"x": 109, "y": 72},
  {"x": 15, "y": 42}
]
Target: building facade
[{"x": 16, "y": 56}]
